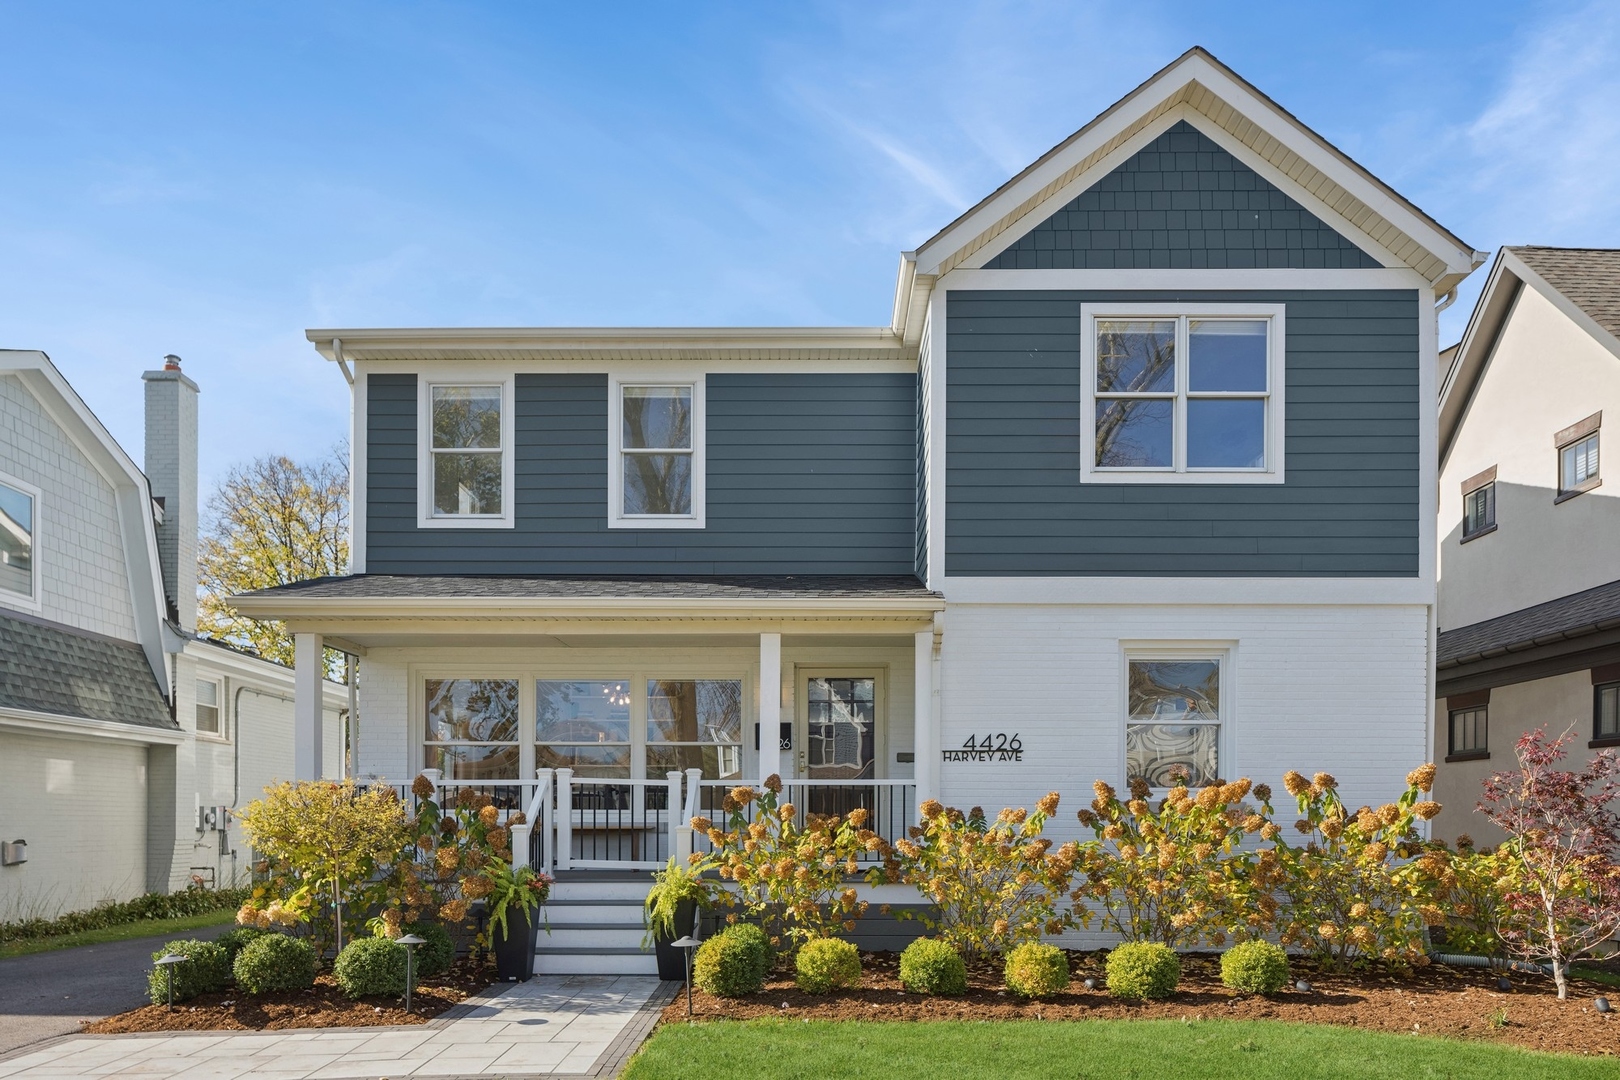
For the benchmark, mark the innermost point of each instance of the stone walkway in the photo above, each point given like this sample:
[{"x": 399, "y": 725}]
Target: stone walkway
[{"x": 550, "y": 1026}]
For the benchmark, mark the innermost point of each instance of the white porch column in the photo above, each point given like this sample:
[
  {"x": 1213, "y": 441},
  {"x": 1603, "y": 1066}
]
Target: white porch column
[
  {"x": 925, "y": 726},
  {"x": 770, "y": 705},
  {"x": 307, "y": 655}
]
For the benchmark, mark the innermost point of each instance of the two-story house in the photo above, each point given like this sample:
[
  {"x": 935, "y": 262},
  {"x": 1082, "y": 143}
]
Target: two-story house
[
  {"x": 125, "y": 738},
  {"x": 1529, "y": 560},
  {"x": 1139, "y": 476}
]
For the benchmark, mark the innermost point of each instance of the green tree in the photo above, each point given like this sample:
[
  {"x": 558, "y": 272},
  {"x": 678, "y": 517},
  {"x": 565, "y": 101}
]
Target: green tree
[{"x": 271, "y": 522}]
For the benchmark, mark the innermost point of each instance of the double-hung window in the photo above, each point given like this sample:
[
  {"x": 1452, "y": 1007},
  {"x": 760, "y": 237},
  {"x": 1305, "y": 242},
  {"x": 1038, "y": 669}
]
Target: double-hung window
[
  {"x": 1578, "y": 457},
  {"x": 210, "y": 709},
  {"x": 472, "y": 728},
  {"x": 1173, "y": 719},
  {"x": 656, "y": 478},
  {"x": 1182, "y": 393},
  {"x": 19, "y": 564},
  {"x": 465, "y": 430}
]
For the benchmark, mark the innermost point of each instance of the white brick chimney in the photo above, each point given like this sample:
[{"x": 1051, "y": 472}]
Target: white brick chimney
[{"x": 171, "y": 468}]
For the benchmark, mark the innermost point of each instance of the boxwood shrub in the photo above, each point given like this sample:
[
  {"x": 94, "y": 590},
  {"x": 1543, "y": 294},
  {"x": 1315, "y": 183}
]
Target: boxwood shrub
[
  {"x": 827, "y": 964},
  {"x": 275, "y": 962},
  {"x": 204, "y": 971},
  {"x": 733, "y": 963},
  {"x": 1037, "y": 971},
  {"x": 371, "y": 966},
  {"x": 439, "y": 952},
  {"x": 237, "y": 940},
  {"x": 1255, "y": 967},
  {"x": 930, "y": 966},
  {"x": 1140, "y": 970}
]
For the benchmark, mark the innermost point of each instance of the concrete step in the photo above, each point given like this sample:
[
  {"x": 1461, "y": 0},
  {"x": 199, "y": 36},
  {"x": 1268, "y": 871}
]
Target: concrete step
[
  {"x": 622, "y": 890},
  {"x": 584, "y": 938},
  {"x": 577, "y": 912},
  {"x": 592, "y": 962}
]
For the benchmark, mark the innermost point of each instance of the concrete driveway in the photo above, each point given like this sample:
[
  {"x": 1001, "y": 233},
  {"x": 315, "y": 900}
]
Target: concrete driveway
[{"x": 52, "y": 993}]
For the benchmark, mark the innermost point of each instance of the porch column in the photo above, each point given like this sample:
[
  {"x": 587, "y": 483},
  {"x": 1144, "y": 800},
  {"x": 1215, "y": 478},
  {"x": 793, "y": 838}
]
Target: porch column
[
  {"x": 308, "y": 650},
  {"x": 770, "y": 705},
  {"x": 925, "y": 730}
]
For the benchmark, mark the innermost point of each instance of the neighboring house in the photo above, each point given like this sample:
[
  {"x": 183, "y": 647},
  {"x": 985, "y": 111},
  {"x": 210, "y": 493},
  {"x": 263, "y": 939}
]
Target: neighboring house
[
  {"x": 122, "y": 733},
  {"x": 1140, "y": 475},
  {"x": 1530, "y": 536}
]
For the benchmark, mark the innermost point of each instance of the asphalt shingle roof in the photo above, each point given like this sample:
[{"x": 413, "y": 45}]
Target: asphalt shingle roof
[
  {"x": 576, "y": 586},
  {"x": 1567, "y": 617},
  {"x": 48, "y": 668},
  {"x": 1589, "y": 277}
]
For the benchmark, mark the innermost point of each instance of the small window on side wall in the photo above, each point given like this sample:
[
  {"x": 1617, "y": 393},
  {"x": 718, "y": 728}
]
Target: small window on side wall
[
  {"x": 1470, "y": 731},
  {"x": 656, "y": 480},
  {"x": 466, "y": 435},
  {"x": 1578, "y": 457},
  {"x": 1606, "y": 713},
  {"x": 1479, "y": 511},
  {"x": 1173, "y": 720},
  {"x": 19, "y": 554},
  {"x": 210, "y": 710}
]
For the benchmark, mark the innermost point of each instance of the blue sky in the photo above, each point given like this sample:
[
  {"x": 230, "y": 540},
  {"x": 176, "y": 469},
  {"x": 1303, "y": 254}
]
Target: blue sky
[{"x": 212, "y": 179}]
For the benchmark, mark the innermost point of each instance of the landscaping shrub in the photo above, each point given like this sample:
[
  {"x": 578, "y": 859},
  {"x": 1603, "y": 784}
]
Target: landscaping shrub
[
  {"x": 276, "y": 962},
  {"x": 994, "y": 883},
  {"x": 236, "y": 940},
  {"x": 1255, "y": 967},
  {"x": 204, "y": 971},
  {"x": 827, "y": 964},
  {"x": 1143, "y": 969},
  {"x": 371, "y": 966},
  {"x": 439, "y": 952},
  {"x": 1037, "y": 971},
  {"x": 931, "y": 966},
  {"x": 733, "y": 963},
  {"x": 194, "y": 900}
]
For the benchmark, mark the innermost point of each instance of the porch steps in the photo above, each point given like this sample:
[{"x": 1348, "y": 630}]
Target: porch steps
[{"x": 596, "y": 926}]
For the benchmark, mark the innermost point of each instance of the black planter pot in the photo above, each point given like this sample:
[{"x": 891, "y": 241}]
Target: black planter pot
[
  {"x": 671, "y": 961},
  {"x": 514, "y": 950}
]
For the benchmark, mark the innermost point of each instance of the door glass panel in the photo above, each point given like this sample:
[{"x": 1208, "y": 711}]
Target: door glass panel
[{"x": 841, "y": 728}]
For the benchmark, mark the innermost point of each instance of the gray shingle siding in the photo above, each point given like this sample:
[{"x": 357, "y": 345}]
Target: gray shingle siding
[
  {"x": 807, "y": 474},
  {"x": 1181, "y": 202},
  {"x": 1015, "y": 505}
]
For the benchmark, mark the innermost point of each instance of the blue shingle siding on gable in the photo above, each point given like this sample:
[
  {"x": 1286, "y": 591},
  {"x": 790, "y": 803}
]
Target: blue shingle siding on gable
[
  {"x": 1015, "y": 504},
  {"x": 1181, "y": 202},
  {"x": 807, "y": 474}
]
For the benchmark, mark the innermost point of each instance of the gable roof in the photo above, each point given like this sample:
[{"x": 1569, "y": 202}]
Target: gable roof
[
  {"x": 1583, "y": 283},
  {"x": 1198, "y": 87},
  {"x": 63, "y": 671}
]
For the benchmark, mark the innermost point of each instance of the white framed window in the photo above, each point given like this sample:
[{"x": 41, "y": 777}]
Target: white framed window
[
  {"x": 1177, "y": 706},
  {"x": 464, "y": 435},
  {"x": 19, "y": 543},
  {"x": 1182, "y": 393},
  {"x": 656, "y": 478},
  {"x": 210, "y": 709}
]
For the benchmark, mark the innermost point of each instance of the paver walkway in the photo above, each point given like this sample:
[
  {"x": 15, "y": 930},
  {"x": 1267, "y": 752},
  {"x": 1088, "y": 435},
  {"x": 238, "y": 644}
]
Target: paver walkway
[{"x": 549, "y": 1026}]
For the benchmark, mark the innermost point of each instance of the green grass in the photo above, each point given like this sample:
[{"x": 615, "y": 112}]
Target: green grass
[
  {"x": 1607, "y": 978},
  {"x": 1083, "y": 1050},
  {"x": 121, "y": 932}
]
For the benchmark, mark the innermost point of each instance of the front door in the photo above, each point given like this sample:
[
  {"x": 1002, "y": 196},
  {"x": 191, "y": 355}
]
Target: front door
[{"x": 839, "y": 738}]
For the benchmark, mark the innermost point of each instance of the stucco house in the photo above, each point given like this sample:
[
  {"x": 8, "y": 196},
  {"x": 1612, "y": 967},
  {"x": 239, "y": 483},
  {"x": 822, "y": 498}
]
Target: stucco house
[
  {"x": 124, "y": 737},
  {"x": 1139, "y": 474},
  {"x": 1529, "y": 555}
]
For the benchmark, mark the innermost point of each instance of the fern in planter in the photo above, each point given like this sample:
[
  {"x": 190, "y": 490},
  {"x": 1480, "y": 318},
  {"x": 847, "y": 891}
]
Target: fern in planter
[
  {"x": 525, "y": 888},
  {"x": 673, "y": 886}
]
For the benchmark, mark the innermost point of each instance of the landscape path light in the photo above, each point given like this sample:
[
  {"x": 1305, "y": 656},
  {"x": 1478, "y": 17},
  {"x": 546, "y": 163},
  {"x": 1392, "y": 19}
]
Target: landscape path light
[
  {"x": 410, "y": 941},
  {"x": 167, "y": 962},
  {"x": 686, "y": 945}
]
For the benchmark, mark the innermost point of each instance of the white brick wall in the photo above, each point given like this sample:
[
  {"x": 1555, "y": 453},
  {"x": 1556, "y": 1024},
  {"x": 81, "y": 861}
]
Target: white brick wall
[{"x": 79, "y": 542}]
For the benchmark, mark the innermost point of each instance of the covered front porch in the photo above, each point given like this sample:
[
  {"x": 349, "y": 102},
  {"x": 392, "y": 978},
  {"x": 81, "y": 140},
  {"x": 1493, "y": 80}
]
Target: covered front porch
[{"x": 612, "y": 712}]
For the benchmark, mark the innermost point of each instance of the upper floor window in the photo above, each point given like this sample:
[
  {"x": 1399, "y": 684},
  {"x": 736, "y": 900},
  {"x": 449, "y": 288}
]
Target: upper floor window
[
  {"x": 1188, "y": 393},
  {"x": 1470, "y": 731},
  {"x": 1479, "y": 504},
  {"x": 19, "y": 566},
  {"x": 1578, "y": 457},
  {"x": 466, "y": 477},
  {"x": 656, "y": 479},
  {"x": 210, "y": 712}
]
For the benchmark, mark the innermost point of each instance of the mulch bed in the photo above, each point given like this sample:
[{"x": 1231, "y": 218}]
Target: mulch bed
[
  {"x": 1435, "y": 1000},
  {"x": 323, "y": 1005}
]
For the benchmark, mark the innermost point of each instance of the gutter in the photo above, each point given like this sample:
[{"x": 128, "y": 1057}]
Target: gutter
[{"x": 272, "y": 607}]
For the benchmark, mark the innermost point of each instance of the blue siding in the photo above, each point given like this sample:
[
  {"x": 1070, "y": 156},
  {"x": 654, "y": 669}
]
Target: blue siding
[
  {"x": 807, "y": 474},
  {"x": 1182, "y": 201},
  {"x": 1015, "y": 505}
]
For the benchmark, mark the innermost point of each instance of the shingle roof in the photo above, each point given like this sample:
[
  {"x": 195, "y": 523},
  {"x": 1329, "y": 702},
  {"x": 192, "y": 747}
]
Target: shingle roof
[
  {"x": 1567, "y": 617},
  {"x": 1589, "y": 277},
  {"x": 579, "y": 586},
  {"x": 45, "y": 667}
]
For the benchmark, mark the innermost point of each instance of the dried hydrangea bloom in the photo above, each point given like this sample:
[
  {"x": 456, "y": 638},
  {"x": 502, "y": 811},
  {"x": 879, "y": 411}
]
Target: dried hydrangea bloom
[
  {"x": 1324, "y": 781},
  {"x": 1421, "y": 777},
  {"x": 422, "y": 787},
  {"x": 773, "y": 784},
  {"x": 1296, "y": 784},
  {"x": 1140, "y": 788},
  {"x": 1048, "y": 803},
  {"x": 1426, "y": 809},
  {"x": 930, "y": 809},
  {"x": 1104, "y": 791},
  {"x": 1262, "y": 792},
  {"x": 453, "y": 911}
]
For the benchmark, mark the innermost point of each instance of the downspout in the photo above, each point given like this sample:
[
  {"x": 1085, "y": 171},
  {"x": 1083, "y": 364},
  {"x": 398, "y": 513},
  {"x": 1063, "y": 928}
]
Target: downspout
[{"x": 1446, "y": 300}]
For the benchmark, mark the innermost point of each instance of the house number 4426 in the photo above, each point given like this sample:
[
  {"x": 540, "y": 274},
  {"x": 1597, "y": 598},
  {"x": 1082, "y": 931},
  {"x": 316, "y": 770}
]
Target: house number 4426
[{"x": 997, "y": 747}]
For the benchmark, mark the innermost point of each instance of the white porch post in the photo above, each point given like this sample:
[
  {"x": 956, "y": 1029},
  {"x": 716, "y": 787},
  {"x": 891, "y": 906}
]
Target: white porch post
[
  {"x": 308, "y": 652},
  {"x": 925, "y": 729},
  {"x": 770, "y": 705}
]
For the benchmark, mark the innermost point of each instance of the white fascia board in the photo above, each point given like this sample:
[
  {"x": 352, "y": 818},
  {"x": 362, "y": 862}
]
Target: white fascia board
[
  {"x": 359, "y": 456},
  {"x": 1184, "y": 591},
  {"x": 888, "y": 361},
  {"x": 1207, "y": 280},
  {"x": 627, "y": 608},
  {"x": 564, "y": 341},
  {"x": 81, "y": 727}
]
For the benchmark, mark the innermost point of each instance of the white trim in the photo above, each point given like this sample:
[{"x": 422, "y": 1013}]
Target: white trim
[
  {"x": 616, "y": 518},
  {"x": 1200, "y": 279},
  {"x": 35, "y": 601},
  {"x": 359, "y": 473},
  {"x": 54, "y": 724},
  {"x": 1180, "y": 472},
  {"x": 426, "y": 517},
  {"x": 675, "y": 365},
  {"x": 1224, "y": 653},
  {"x": 938, "y": 423},
  {"x": 1189, "y": 591}
]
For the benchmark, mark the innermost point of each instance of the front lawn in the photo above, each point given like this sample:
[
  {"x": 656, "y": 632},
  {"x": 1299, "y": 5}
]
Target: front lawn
[
  {"x": 1081, "y": 1050},
  {"x": 165, "y": 928}
]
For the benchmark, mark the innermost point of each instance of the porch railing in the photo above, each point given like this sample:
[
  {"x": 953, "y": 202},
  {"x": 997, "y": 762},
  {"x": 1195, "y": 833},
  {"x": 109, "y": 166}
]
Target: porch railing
[
  {"x": 611, "y": 824},
  {"x": 890, "y": 805}
]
